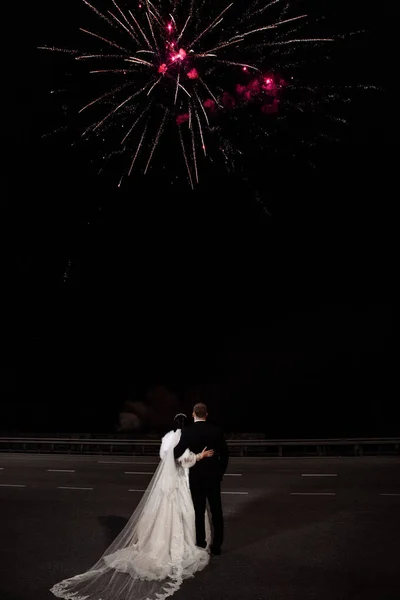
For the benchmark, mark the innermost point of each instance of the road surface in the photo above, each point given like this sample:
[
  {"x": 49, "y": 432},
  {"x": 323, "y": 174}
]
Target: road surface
[{"x": 296, "y": 528}]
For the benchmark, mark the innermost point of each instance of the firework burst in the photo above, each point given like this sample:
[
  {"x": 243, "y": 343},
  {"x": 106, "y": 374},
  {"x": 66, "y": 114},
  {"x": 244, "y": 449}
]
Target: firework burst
[{"x": 170, "y": 69}]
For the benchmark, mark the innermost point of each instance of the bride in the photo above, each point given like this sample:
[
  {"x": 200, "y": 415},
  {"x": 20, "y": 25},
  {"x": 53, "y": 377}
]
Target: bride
[{"x": 157, "y": 549}]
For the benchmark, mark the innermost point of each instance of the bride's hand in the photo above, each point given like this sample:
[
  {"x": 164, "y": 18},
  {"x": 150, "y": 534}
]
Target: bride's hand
[{"x": 206, "y": 453}]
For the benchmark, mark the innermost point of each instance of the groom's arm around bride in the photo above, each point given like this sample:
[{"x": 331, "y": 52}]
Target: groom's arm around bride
[{"x": 200, "y": 434}]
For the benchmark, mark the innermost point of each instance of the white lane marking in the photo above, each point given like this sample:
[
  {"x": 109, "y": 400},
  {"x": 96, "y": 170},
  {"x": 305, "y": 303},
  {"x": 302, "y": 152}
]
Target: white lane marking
[
  {"x": 390, "y": 494},
  {"x": 139, "y": 472},
  {"x": 319, "y": 474},
  {"x": 312, "y": 493},
  {"x": 125, "y": 462},
  {"x": 233, "y": 474},
  {"x": 70, "y": 487},
  {"x": 11, "y": 485},
  {"x": 61, "y": 470},
  {"x": 1, "y": 468},
  {"x": 136, "y": 490}
]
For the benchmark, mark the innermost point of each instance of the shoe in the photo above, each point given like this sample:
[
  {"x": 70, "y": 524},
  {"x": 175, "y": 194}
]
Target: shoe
[{"x": 215, "y": 550}]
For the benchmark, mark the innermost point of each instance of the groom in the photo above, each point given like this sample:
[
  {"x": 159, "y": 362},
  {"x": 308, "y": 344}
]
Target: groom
[{"x": 206, "y": 475}]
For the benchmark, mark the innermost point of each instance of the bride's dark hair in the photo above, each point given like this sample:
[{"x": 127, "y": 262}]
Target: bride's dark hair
[{"x": 180, "y": 419}]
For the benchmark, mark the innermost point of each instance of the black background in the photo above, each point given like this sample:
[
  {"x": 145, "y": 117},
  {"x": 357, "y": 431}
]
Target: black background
[{"x": 277, "y": 310}]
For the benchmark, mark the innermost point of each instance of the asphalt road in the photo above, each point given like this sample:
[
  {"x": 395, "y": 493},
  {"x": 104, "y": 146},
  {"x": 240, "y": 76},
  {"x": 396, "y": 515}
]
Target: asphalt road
[{"x": 296, "y": 529}]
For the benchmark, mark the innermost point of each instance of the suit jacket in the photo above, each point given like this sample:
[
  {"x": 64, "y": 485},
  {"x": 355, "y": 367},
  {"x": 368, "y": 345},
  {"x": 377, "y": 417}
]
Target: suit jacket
[{"x": 196, "y": 437}]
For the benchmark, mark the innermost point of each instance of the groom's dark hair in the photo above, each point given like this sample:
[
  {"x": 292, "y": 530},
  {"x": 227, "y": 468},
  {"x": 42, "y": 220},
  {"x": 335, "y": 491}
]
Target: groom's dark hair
[{"x": 200, "y": 410}]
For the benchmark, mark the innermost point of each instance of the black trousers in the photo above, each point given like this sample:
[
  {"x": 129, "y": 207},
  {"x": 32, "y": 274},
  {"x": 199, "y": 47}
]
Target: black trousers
[{"x": 200, "y": 494}]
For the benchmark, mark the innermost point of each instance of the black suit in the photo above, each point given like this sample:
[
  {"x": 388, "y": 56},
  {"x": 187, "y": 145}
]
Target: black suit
[{"x": 205, "y": 476}]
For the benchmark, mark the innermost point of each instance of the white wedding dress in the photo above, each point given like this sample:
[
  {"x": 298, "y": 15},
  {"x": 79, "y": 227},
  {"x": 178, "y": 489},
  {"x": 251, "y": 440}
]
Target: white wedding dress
[{"x": 157, "y": 549}]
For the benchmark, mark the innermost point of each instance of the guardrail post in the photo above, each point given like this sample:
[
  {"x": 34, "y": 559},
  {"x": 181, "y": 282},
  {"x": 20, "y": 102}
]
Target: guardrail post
[{"x": 358, "y": 450}]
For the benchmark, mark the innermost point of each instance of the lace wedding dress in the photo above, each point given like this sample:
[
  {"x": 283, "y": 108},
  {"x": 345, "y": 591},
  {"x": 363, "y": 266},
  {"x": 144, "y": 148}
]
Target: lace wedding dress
[{"x": 157, "y": 549}]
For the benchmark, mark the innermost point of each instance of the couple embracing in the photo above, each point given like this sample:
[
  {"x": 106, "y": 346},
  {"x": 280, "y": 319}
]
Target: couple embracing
[{"x": 170, "y": 536}]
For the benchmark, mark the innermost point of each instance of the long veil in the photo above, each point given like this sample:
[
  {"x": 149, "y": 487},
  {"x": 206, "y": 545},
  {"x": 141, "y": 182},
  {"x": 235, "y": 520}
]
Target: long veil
[{"x": 150, "y": 557}]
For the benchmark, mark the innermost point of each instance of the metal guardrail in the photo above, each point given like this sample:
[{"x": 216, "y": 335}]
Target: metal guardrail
[{"x": 299, "y": 447}]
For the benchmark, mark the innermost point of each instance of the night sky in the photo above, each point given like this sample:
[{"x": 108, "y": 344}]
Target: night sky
[{"x": 158, "y": 295}]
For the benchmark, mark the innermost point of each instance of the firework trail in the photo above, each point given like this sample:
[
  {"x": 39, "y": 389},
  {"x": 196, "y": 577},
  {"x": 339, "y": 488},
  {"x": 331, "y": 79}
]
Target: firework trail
[{"x": 169, "y": 60}]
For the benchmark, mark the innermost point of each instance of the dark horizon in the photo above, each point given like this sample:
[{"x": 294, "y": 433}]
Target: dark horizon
[{"x": 321, "y": 372}]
